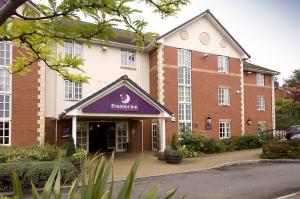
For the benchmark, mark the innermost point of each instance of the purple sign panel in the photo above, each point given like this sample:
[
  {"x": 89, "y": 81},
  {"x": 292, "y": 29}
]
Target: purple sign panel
[
  {"x": 121, "y": 100},
  {"x": 2, "y": 2}
]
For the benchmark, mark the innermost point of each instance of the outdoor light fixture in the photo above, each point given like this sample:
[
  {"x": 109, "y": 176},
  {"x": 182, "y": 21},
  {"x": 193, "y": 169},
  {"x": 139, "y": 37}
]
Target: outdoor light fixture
[
  {"x": 205, "y": 56},
  {"x": 249, "y": 121},
  {"x": 173, "y": 119}
]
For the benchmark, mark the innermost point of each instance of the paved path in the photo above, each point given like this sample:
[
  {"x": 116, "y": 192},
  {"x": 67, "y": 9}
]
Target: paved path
[
  {"x": 150, "y": 166},
  {"x": 259, "y": 181}
]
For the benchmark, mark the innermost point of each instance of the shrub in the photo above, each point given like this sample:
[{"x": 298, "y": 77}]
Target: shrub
[
  {"x": 282, "y": 150},
  {"x": 36, "y": 172},
  {"x": 174, "y": 144},
  {"x": 70, "y": 148},
  {"x": 188, "y": 153},
  {"x": 213, "y": 146},
  {"x": 31, "y": 153}
]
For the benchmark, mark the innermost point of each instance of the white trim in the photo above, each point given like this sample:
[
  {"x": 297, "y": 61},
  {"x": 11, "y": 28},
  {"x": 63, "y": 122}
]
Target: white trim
[
  {"x": 242, "y": 98},
  {"x": 273, "y": 103},
  {"x": 154, "y": 124},
  {"x": 160, "y": 74},
  {"x": 162, "y": 134},
  {"x": 74, "y": 130}
]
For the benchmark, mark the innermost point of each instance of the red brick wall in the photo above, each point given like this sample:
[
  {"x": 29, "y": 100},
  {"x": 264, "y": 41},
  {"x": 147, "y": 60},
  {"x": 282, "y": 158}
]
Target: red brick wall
[
  {"x": 50, "y": 127},
  {"x": 24, "y": 105},
  {"x": 251, "y": 93},
  {"x": 204, "y": 92},
  {"x": 153, "y": 73}
]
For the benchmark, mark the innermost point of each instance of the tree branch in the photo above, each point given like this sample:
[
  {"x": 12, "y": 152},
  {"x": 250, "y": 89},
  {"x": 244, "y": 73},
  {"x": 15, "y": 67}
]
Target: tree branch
[{"x": 9, "y": 8}]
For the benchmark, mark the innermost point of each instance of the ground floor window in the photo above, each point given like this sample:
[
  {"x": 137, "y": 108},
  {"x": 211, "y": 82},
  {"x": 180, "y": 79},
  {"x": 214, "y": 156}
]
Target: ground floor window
[
  {"x": 224, "y": 129},
  {"x": 185, "y": 127},
  {"x": 4, "y": 133},
  {"x": 82, "y": 135},
  {"x": 154, "y": 131}
]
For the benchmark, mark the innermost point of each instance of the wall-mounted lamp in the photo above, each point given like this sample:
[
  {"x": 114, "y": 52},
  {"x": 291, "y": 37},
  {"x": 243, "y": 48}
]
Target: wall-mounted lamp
[
  {"x": 205, "y": 56},
  {"x": 249, "y": 121},
  {"x": 104, "y": 48},
  {"x": 248, "y": 73},
  {"x": 173, "y": 118}
]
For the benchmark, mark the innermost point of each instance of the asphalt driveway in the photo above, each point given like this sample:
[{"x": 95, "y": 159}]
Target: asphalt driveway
[{"x": 261, "y": 180}]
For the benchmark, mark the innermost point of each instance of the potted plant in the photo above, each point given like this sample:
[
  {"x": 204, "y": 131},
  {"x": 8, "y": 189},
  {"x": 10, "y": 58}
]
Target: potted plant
[
  {"x": 78, "y": 157},
  {"x": 172, "y": 153}
]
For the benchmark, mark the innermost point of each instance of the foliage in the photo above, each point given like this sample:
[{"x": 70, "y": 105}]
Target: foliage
[
  {"x": 198, "y": 143},
  {"x": 96, "y": 181},
  {"x": 174, "y": 143},
  {"x": 294, "y": 79},
  {"x": 70, "y": 147},
  {"x": 287, "y": 113},
  {"x": 36, "y": 172},
  {"x": 188, "y": 152},
  {"x": 81, "y": 153},
  {"x": 31, "y": 153},
  {"x": 282, "y": 150},
  {"x": 60, "y": 22},
  {"x": 3, "y": 197}
]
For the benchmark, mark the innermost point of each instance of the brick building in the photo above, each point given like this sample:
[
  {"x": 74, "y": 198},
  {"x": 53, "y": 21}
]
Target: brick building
[{"x": 195, "y": 77}]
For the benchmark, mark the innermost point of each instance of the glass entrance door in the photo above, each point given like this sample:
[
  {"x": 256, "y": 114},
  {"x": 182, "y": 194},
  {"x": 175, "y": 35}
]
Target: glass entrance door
[
  {"x": 121, "y": 136},
  {"x": 154, "y": 132},
  {"x": 82, "y": 135}
]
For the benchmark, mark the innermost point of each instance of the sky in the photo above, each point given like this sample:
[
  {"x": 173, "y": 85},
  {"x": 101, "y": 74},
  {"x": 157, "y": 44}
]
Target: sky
[{"x": 269, "y": 30}]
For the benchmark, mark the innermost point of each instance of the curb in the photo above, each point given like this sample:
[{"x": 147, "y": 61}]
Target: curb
[
  {"x": 289, "y": 195},
  {"x": 227, "y": 164}
]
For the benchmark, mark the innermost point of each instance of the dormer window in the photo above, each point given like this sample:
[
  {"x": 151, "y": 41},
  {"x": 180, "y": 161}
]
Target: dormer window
[
  {"x": 128, "y": 58},
  {"x": 260, "y": 79},
  {"x": 223, "y": 64}
]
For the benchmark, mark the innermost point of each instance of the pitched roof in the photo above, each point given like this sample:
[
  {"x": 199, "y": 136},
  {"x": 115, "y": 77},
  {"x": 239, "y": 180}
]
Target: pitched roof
[
  {"x": 206, "y": 12},
  {"x": 122, "y": 78},
  {"x": 255, "y": 68}
]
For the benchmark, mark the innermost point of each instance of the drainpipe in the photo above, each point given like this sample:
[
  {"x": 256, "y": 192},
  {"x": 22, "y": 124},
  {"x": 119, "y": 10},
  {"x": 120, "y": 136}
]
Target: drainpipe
[
  {"x": 142, "y": 121},
  {"x": 55, "y": 131}
]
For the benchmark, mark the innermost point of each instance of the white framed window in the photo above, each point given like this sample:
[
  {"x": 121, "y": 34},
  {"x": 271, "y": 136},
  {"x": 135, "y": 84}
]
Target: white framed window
[
  {"x": 224, "y": 96},
  {"x": 5, "y": 133},
  {"x": 224, "y": 129},
  {"x": 223, "y": 64},
  {"x": 73, "y": 49},
  {"x": 261, "y": 104},
  {"x": 5, "y": 93},
  {"x": 260, "y": 79},
  {"x": 82, "y": 135},
  {"x": 184, "y": 90},
  {"x": 154, "y": 133},
  {"x": 261, "y": 126},
  {"x": 73, "y": 90},
  {"x": 128, "y": 58}
]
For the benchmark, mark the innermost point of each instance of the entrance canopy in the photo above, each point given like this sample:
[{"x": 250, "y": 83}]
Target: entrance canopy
[{"x": 122, "y": 98}]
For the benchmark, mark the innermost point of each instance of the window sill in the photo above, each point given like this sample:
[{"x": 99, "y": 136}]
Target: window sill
[
  {"x": 261, "y": 110},
  {"x": 225, "y": 72},
  {"x": 224, "y": 105},
  {"x": 128, "y": 67},
  {"x": 72, "y": 100}
]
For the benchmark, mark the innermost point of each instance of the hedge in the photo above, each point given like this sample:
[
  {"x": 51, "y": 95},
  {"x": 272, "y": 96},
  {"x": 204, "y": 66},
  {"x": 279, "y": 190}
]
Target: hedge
[
  {"x": 36, "y": 172},
  {"x": 200, "y": 144},
  {"x": 282, "y": 150},
  {"x": 31, "y": 153}
]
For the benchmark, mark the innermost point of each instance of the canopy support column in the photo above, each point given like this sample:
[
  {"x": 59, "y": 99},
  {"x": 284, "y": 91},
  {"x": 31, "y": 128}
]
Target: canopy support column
[
  {"x": 162, "y": 134},
  {"x": 74, "y": 128}
]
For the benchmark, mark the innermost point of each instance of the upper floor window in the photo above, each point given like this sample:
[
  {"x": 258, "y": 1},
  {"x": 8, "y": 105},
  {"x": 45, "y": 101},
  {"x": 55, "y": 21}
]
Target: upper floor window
[
  {"x": 73, "y": 90},
  {"x": 73, "y": 49},
  {"x": 261, "y": 126},
  {"x": 224, "y": 129},
  {"x": 128, "y": 58},
  {"x": 5, "y": 80},
  {"x": 260, "y": 79},
  {"x": 261, "y": 103},
  {"x": 223, "y": 64},
  {"x": 5, "y": 53},
  {"x": 224, "y": 96}
]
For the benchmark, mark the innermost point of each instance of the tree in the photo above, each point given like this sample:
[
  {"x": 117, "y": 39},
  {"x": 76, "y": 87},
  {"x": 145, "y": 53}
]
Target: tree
[
  {"x": 287, "y": 113},
  {"x": 57, "y": 21},
  {"x": 294, "y": 79}
]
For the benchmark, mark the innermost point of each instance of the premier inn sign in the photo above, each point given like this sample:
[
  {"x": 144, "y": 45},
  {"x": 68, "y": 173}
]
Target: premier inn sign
[{"x": 121, "y": 100}]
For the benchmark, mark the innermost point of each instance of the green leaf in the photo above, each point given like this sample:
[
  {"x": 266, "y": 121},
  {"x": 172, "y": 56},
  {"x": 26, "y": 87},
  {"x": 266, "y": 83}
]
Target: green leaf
[
  {"x": 17, "y": 189},
  {"x": 34, "y": 192},
  {"x": 57, "y": 185},
  {"x": 126, "y": 189},
  {"x": 152, "y": 193}
]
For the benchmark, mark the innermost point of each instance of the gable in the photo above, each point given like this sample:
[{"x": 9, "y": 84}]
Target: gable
[
  {"x": 204, "y": 33},
  {"x": 121, "y": 100}
]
